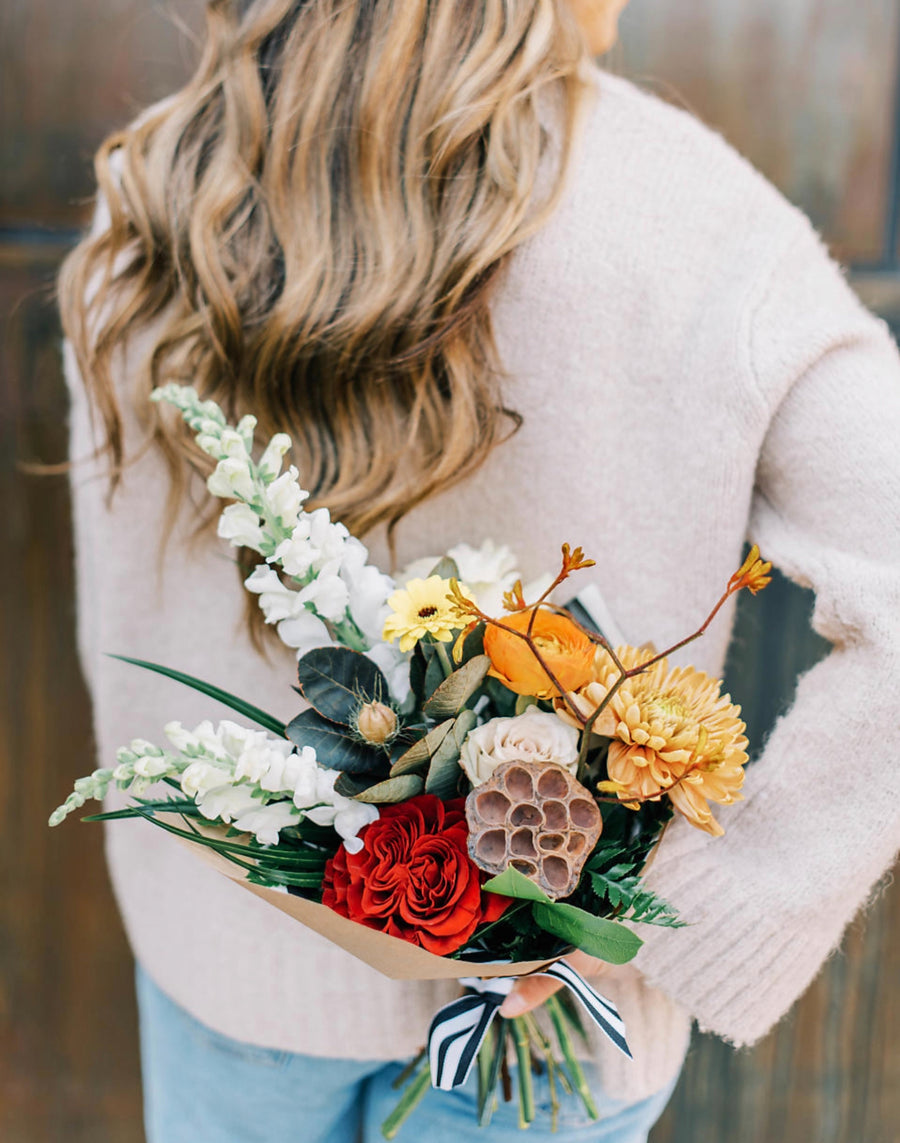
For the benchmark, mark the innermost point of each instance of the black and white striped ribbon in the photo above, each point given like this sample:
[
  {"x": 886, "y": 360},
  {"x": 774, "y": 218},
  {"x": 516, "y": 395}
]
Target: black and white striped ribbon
[{"x": 459, "y": 1028}]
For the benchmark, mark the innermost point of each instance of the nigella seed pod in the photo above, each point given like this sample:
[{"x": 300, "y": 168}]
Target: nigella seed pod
[{"x": 376, "y": 723}]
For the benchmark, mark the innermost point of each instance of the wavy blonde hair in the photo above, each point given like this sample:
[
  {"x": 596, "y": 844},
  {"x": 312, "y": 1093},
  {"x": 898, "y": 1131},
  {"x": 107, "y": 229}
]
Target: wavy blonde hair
[{"x": 318, "y": 219}]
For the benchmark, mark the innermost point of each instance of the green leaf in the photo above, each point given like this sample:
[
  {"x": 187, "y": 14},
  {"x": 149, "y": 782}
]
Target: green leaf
[
  {"x": 512, "y": 883},
  {"x": 445, "y": 568},
  {"x": 456, "y": 690},
  {"x": 523, "y": 702},
  {"x": 335, "y": 681},
  {"x": 334, "y": 746},
  {"x": 420, "y": 753},
  {"x": 597, "y": 936},
  {"x": 444, "y": 771},
  {"x": 248, "y": 710},
  {"x": 392, "y": 790}
]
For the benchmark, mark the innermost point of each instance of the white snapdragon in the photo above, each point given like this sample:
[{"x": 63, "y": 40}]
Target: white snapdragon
[
  {"x": 284, "y": 497},
  {"x": 339, "y": 598},
  {"x": 239, "y": 524},
  {"x": 241, "y": 777},
  {"x": 266, "y": 822},
  {"x": 270, "y": 462}
]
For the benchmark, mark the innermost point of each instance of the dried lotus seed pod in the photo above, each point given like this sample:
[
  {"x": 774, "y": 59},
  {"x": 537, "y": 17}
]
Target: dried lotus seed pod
[{"x": 536, "y": 817}]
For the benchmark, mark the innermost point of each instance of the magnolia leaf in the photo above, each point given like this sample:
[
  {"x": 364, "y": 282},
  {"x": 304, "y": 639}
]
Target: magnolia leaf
[
  {"x": 456, "y": 690},
  {"x": 397, "y": 789},
  {"x": 335, "y": 748},
  {"x": 336, "y": 680},
  {"x": 352, "y": 784},
  {"x": 597, "y": 936},
  {"x": 419, "y": 754},
  {"x": 445, "y": 568},
  {"x": 444, "y": 771},
  {"x": 512, "y": 883}
]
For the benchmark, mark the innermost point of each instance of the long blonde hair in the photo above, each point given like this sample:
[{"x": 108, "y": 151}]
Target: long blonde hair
[{"x": 318, "y": 219}]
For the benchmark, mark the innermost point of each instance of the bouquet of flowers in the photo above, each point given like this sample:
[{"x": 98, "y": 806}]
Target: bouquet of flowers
[{"x": 473, "y": 788}]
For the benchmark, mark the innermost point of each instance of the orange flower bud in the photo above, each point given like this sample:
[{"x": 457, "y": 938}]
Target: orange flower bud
[{"x": 566, "y": 651}]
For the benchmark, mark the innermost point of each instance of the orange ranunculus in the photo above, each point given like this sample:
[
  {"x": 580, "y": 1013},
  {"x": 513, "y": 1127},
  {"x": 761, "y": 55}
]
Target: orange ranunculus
[{"x": 565, "y": 649}]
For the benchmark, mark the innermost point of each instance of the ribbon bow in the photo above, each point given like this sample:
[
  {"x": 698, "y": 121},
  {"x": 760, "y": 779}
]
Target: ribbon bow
[{"x": 459, "y": 1028}]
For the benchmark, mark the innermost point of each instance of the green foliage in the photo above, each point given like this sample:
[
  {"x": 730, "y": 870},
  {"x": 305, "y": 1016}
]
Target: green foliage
[
  {"x": 418, "y": 756},
  {"x": 334, "y": 746},
  {"x": 444, "y": 771},
  {"x": 248, "y": 710},
  {"x": 512, "y": 883},
  {"x": 614, "y": 877},
  {"x": 456, "y": 690},
  {"x": 446, "y": 568},
  {"x": 336, "y": 681},
  {"x": 607, "y": 940},
  {"x": 392, "y": 790}
]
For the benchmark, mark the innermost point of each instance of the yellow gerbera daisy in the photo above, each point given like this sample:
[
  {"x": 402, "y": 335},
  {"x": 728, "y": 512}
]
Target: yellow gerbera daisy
[
  {"x": 422, "y": 608},
  {"x": 673, "y": 732}
]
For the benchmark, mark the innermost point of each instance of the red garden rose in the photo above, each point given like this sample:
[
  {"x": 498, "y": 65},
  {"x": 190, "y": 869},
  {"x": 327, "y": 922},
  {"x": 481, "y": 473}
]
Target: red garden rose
[{"x": 414, "y": 878}]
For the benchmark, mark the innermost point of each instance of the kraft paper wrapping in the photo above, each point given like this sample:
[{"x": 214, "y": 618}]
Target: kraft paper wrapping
[{"x": 396, "y": 959}]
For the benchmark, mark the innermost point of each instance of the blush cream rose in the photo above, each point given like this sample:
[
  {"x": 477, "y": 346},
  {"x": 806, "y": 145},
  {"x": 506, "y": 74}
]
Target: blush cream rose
[{"x": 534, "y": 736}]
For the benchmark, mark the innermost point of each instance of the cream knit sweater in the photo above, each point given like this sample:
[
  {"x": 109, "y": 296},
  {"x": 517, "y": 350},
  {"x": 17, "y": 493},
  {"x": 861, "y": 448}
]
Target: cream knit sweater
[{"x": 693, "y": 371}]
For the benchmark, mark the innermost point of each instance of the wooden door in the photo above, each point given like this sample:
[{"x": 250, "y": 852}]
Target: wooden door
[{"x": 807, "y": 89}]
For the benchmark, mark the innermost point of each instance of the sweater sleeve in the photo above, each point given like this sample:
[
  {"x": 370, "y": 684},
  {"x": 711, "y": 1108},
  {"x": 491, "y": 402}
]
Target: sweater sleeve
[{"x": 820, "y": 819}]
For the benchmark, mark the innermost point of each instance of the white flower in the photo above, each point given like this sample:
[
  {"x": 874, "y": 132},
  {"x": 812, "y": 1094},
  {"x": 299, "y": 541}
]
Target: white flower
[
  {"x": 369, "y": 590},
  {"x": 284, "y": 496},
  {"x": 266, "y": 822},
  {"x": 226, "y": 802},
  {"x": 202, "y": 776},
  {"x": 535, "y": 736},
  {"x": 350, "y": 820},
  {"x": 304, "y": 632},
  {"x": 236, "y": 738},
  {"x": 485, "y": 566},
  {"x": 150, "y": 766},
  {"x": 232, "y": 443},
  {"x": 181, "y": 739},
  {"x": 232, "y": 480},
  {"x": 255, "y": 762},
  {"x": 328, "y": 594},
  {"x": 270, "y": 462},
  {"x": 314, "y": 543},
  {"x": 239, "y": 524},
  {"x": 276, "y": 600},
  {"x": 294, "y": 774},
  {"x": 394, "y": 665}
]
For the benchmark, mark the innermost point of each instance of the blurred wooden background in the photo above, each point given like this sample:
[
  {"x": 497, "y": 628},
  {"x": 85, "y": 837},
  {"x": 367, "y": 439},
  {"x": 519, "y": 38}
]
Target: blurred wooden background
[{"x": 808, "y": 89}]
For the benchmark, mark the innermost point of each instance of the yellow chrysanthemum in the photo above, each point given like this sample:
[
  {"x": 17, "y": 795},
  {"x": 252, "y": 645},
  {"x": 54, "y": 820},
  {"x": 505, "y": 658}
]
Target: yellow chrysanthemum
[
  {"x": 673, "y": 733},
  {"x": 422, "y": 608}
]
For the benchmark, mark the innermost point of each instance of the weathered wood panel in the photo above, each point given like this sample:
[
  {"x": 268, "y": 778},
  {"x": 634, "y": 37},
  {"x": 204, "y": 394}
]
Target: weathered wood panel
[
  {"x": 805, "y": 89},
  {"x": 68, "y": 1052},
  {"x": 70, "y": 71}
]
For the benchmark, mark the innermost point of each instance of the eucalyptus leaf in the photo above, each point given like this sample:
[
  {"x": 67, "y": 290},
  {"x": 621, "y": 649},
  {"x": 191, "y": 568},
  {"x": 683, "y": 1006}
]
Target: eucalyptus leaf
[
  {"x": 419, "y": 754},
  {"x": 434, "y": 675},
  {"x": 248, "y": 710},
  {"x": 512, "y": 883},
  {"x": 524, "y": 702},
  {"x": 444, "y": 771},
  {"x": 597, "y": 936},
  {"x": 334, "y": 747},
  {"x": 456, "y": 690},
  {"x": 445, "y": 568},
  {"x": 335, "y": 681},
  {"x": 393, "y": 790}
]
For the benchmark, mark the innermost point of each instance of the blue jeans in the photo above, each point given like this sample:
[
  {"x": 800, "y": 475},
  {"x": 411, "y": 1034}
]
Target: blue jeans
[{"x": 203, "y": 1087}]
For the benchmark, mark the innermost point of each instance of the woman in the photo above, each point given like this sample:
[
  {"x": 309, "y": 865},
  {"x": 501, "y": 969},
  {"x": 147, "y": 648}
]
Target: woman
[{"x": 491, "y": 291}]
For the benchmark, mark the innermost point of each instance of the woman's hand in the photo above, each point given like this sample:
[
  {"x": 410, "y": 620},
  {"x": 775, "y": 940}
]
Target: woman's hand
[{"x": 531, "y": 991}]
